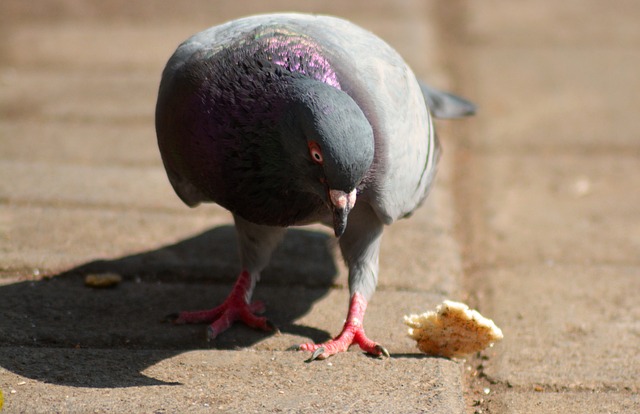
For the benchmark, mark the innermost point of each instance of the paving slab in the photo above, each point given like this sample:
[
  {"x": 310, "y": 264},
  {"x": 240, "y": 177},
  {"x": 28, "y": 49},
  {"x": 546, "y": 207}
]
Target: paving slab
[
  {"x": 49, "y": 239},
  {"x": 549, "y": 224},
  {"x": 433, "y": 261},
  {"x": 566, "y": 327},
  {"x": 79, "y": 143},
  {"x": 558, "y": 208},
  {"x": 62, "y": 312},
  {"x": 559, "y": 78},
  {"x": 67, "y": 184},
  {"x": 543, "y": 401},
  {"x": 560, "y": 94},
  {"x": 232, "y": 381},
  {"x": 83, "y": 191}
]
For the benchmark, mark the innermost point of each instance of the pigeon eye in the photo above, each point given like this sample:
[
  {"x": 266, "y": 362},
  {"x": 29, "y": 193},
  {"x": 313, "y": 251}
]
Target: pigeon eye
[{"x": 315, "y": 152}]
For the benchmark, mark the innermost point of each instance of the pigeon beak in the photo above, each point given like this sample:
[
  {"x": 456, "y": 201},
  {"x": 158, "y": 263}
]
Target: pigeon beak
[{"x": 342, "y": 204}]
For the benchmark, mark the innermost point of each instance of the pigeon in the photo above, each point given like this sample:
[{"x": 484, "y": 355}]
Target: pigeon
[{"x": 291, "y": 119}]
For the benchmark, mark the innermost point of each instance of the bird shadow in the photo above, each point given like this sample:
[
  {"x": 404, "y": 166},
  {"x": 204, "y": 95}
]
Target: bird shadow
[{"x": 59, "y": 331}]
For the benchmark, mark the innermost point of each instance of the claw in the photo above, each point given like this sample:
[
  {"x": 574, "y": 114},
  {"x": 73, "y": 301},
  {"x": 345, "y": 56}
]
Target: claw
[
  {"x": 293, "y": 348},
  {"x": 211, "y": 334},
  {"x": 271, "y": 326},
  {"x": 317, "y": 354},
  {"x": 383, "y": 351}
]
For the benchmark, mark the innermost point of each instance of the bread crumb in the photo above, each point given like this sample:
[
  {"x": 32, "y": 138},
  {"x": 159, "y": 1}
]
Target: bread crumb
[
  {"x": 452, "y": 330},
  {"x": 102, "y": 280}
]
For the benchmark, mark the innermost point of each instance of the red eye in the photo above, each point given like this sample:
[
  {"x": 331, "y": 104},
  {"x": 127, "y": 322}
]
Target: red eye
[{"x": 315, "y": 152}]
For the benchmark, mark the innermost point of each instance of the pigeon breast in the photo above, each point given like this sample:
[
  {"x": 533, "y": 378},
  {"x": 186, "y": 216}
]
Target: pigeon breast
[{"x": 222, "y": 94}]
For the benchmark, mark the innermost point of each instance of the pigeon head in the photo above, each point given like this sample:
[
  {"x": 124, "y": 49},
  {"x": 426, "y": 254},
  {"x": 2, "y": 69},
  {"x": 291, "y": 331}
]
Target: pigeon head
[{"x": 334, "y": 145}]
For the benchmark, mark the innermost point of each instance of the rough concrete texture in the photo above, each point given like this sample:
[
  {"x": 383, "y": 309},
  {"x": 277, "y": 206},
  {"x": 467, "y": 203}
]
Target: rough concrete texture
[
  {"x": 546, "y": 183},
  {"x": 534, "y": 221},
  {"x": 83, "y": 191}
]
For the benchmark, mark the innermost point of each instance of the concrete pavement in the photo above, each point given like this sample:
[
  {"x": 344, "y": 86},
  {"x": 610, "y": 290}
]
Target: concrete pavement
[
  {"x": 546, "y": 191},
  {"x": 83, "y": 190},
  {"x": 533, "y": 220}
]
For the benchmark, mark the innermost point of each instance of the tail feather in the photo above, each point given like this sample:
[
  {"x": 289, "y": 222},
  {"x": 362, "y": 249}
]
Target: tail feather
[{"x": 445, "y": 105}]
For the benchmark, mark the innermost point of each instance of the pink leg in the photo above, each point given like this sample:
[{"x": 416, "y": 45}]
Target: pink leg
[
  {"x": 234, "y": 308},
  {"x": 352, "y": 333}
]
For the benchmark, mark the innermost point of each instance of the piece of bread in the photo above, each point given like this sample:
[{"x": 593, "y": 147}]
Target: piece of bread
[
  {"x": 452, "y": 330},
  {"x": 102, "y": 280}
]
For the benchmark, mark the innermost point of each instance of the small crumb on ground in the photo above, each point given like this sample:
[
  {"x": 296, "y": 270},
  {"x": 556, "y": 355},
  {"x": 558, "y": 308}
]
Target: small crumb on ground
[{"x": 102, "y": 280}]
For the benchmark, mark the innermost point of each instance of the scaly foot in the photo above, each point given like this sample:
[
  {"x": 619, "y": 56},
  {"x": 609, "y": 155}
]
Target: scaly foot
[
  {"x": 235, "y": 308},
  {"x": 352, "y": 333}
]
